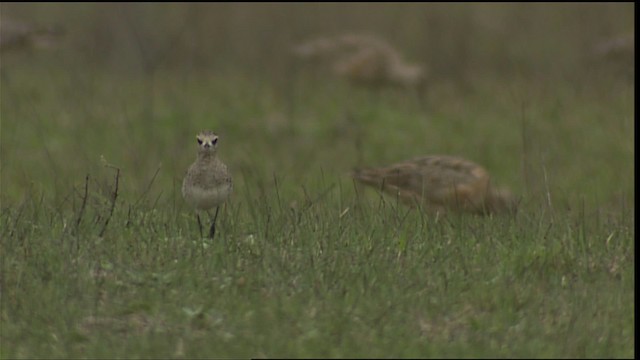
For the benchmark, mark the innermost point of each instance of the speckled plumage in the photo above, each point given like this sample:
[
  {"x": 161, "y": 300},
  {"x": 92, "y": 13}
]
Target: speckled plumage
[
  {"x": 439, "y": 183},
  {"x": 207, "y": 183}
]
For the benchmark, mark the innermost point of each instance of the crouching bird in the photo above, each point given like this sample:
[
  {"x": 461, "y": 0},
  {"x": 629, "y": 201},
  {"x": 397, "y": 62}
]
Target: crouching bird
[{"x": 440, "y": 183}]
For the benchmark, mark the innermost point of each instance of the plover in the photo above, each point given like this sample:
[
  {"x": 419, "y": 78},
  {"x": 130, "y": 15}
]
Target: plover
[
  {"x": 365, "y": 61},
  {"x": 440, "y": 183},
  {"x": 207, "y": 183}
]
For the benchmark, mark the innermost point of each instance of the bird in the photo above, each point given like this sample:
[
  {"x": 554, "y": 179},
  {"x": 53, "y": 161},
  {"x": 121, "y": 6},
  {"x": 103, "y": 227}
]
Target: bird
[
  {"x": 617, "y": 52},
  {"x": 622, "y": 45},
  {"x": 17, "y": 35},
  {"x": 208, "y": 182},
  {"x": 440, "y": 183},
  {"x": 365, "y": 61}
]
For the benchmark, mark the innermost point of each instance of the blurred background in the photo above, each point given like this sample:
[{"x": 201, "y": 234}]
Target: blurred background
[
  {"x": 454, "y": 39},
  {"x": 530, "y": 91}
]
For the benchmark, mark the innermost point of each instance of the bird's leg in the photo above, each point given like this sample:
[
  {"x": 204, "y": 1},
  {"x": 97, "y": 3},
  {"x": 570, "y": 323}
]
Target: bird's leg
[
  {"x": 212, "y": 230},
  {"x": 199, "y": 224}
]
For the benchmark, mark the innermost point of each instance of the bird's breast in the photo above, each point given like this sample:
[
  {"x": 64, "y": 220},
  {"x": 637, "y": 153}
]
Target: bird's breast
[{"x": 207, "y": 198}]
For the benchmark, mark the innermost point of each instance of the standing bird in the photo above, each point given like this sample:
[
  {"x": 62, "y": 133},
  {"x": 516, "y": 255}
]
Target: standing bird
[
  {"x": 208, "y": 182},
  {"x": 439, "y": 183}
]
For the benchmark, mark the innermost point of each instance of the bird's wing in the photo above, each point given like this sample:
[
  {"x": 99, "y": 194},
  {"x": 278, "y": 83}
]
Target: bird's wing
[{"x": 437, "y": 180}]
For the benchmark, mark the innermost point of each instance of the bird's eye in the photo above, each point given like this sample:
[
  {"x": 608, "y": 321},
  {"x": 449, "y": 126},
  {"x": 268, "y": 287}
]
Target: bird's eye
[
  {"x": 214, "y": 141},
  {"x": 199, "y": 141}
]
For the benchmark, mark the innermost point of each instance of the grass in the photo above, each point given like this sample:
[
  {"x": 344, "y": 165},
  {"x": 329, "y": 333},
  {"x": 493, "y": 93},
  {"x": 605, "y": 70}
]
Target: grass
[
  {"x": 305, "y": 264},
  {"x": 282, "y": 281}
]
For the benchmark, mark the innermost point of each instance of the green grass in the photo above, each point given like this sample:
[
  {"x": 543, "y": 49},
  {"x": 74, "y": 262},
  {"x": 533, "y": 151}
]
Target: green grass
[
  {"x": 305, "y": 264},
  {"x": 280, "y": 281}
]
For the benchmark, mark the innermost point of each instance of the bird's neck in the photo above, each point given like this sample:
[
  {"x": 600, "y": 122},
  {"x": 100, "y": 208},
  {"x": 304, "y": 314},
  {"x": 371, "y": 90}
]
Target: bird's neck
[{"x": 207, "y": 156}]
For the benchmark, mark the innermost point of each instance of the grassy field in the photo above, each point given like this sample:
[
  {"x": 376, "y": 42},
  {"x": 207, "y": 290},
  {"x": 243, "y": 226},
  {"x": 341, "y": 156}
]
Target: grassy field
[{"x": 102, "y": 258}]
